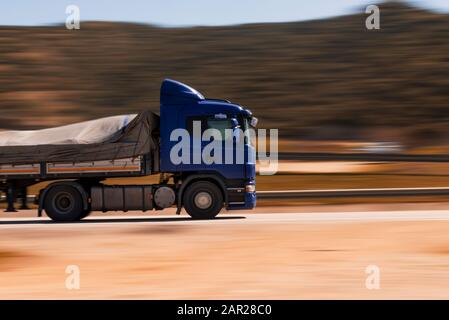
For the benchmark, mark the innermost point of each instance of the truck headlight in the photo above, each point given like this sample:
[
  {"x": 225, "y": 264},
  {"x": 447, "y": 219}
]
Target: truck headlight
[{"x": 250, "y": 188}]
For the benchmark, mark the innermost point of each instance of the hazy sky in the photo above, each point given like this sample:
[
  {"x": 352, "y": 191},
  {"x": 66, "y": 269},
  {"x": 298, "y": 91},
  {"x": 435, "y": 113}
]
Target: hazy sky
[{"x": 185, "y": 12}]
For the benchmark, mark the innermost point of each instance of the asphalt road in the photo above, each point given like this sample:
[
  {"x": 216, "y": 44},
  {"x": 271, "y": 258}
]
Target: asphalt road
[
  {"x": 229, "y": 218},
  {"x": 316, "y": 253}
]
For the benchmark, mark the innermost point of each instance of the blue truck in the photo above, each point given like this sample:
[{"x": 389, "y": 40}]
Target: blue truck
[{"x": 143, "y": 146}]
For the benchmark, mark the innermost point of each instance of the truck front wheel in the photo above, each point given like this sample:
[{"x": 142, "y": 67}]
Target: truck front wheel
[
  {"x": 64, "y": 203},
  {"x": 203, "y": 200}
]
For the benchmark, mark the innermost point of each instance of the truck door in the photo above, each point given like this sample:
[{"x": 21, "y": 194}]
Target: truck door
[{"x": 230, "y": 160}]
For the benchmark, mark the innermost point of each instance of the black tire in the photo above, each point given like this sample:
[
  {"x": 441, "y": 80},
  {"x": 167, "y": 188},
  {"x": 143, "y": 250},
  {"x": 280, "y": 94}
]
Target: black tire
[
  {"x": 203, "y": 200},
  {"x": 64, "y": 203}
]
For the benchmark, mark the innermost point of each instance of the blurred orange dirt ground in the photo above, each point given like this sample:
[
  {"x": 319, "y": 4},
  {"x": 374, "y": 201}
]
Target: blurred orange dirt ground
[{"x": 285, "y": 253}]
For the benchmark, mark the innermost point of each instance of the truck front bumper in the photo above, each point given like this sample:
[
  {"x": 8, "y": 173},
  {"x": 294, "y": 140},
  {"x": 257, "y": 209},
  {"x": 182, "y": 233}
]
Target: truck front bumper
[{"x": 249, "y": 203}]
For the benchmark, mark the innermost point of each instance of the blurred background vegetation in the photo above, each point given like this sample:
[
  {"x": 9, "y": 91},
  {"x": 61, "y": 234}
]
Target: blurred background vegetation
[{"x": 328, "y": 79}]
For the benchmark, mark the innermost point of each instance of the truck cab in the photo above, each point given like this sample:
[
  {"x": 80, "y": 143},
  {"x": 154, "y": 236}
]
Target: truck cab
[{"x": 184, "y": 109}]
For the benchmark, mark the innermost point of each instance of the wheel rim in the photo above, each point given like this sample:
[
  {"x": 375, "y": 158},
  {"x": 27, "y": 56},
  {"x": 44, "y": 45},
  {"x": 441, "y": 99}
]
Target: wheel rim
[
  {"x": 203, "y": 200},
  {"x": 64, "y": 202}
]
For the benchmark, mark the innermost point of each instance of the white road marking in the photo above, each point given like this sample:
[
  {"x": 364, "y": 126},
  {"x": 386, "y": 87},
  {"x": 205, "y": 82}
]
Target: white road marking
[{"x": 234, "y": 219}]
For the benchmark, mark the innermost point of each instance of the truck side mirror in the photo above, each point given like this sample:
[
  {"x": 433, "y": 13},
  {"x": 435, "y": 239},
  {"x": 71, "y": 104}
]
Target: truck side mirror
[{"x": 234, "y": 123}]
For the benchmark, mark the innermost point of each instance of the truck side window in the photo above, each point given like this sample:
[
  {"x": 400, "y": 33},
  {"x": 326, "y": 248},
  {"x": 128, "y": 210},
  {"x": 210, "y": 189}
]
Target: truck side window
[
  {"x": 209, "y": 123},
  {"x": 220, "y": 125}
]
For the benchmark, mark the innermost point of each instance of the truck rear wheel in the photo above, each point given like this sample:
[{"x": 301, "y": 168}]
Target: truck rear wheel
[
  {"x": 64, "y": 203},
  {"x": 203, "y": 200}
]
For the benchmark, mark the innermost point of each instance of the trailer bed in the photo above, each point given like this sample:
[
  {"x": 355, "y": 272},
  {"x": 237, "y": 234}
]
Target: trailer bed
[
  {"x": 136, "y": 166},
  {"x": 132, "y": 151}
]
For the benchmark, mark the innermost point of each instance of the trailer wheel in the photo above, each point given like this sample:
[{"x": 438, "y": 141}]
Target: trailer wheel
[
  {"x": 203, "y": 200},
  {"x": 64, "y": 203}
]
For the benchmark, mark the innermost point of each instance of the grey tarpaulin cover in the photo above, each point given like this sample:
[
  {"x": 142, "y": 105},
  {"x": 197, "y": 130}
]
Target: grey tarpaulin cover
[
  {"x": 104, "y": 139},
  {"x": 93, "y": 131}
]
